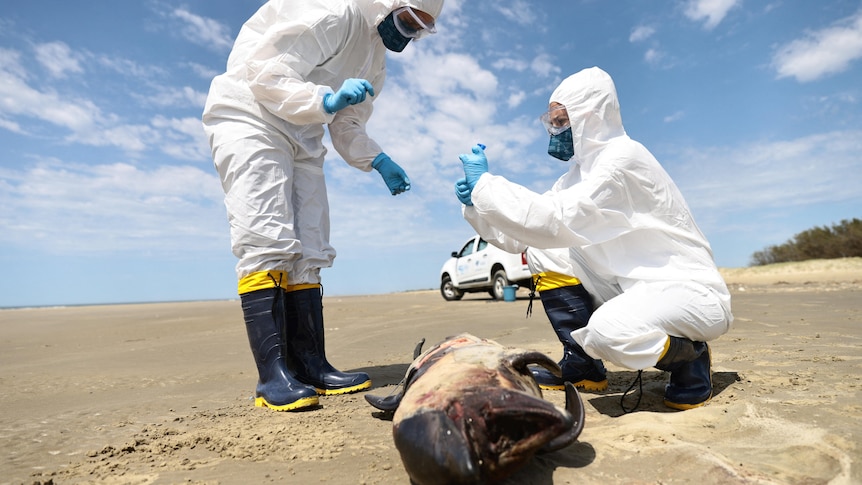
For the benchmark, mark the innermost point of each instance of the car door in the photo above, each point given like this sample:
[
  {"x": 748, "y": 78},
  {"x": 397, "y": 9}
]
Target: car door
[
  {"x": 464, "y": 262},
  {"x": 482, "y": 261},
  {"x": 473, "y": 263}
]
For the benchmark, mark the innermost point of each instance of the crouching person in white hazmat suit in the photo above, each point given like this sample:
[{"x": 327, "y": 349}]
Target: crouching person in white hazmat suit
[
  {"x": 630, "y": 236},
  {"x": 296, "y": 66}
]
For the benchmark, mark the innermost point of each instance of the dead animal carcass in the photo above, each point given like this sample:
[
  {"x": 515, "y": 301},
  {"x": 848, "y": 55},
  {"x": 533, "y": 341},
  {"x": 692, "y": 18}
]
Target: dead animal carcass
[{"x": 470, "y": 412}]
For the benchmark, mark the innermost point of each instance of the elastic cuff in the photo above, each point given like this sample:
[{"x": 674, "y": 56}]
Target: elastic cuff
[
  {"x": 325, "y": 99},
  {"x": 551, "y": 280},
  {"x": 378, "y": 160},
  {"x": 262, "y": 280}
]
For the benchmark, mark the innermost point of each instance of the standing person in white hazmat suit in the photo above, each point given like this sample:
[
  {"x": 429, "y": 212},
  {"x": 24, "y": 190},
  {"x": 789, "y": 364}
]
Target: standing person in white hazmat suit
[
  {"x": 630, "y": 235},
  {"x": 296, "y": 66}
]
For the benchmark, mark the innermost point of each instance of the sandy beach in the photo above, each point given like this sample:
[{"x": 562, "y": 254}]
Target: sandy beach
[{"x": 161, "y": 393}]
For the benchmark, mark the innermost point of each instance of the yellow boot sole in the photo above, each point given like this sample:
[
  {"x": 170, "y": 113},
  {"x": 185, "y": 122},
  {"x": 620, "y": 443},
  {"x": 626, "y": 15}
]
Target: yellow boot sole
[
  {"x": 344, "y": 390},
  {"x": 298, "y": 404},
  {"x": 593, "y": 386}
]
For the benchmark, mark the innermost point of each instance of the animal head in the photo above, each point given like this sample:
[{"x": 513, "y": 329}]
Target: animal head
[{"x": 471, "y": 412}]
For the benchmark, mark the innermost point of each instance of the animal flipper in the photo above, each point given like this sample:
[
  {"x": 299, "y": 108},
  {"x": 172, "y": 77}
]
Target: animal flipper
[
  {"x": 521, "y": 360},
  {"x": 418, "y": 350},
  {"x": 575, "y": 407},
  {"x": 391, "y": 402}
]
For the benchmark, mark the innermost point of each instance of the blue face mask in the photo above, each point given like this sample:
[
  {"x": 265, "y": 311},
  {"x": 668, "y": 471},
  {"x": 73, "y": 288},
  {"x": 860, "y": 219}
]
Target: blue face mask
[
  {"x": 562, "y": 146},
  {"x": 392, "y": 39}
]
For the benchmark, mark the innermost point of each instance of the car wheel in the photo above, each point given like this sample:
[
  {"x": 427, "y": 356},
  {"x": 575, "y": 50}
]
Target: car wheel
[
  {"x": 500, "y": 282},
  {"x": 449, "y": 291}
]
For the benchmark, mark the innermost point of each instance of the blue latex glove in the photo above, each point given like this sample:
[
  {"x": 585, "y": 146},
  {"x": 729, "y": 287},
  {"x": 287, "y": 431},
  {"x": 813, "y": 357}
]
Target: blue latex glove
[
  {"x": 392, "y": 174},
  {"x": 463, "y": 191},
  {"x": 352, "y": 91},
  {"x": 475, "y": 165}
]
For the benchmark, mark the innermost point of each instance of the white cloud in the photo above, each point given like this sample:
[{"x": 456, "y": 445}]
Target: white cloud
[
  {"x": 545, "y": 66},
  {"x": 203, "y": 31},
  {"x": 129, "y": 68},
  {"x": 516, "y": 98},
  {"x": 11, "y": 126},
  {"x": 518, "y": 65},
  {"x": 87, "y": 124},
  {"x": 182, "y": 139},
  {"x": 641, "y": 33},
  {"x": 520, "y": 12},
  {"x": 62, "y": 207},
  {"x": 653, "y": 56},
  {"x": 711, "y": 12},
  {"x": 204, "y": 72},
  {"x": 132, "y": 138},
  {"x": 58, "y": 59},
  {"x": 821, "y": 53},
  {"x": 773, "y": 175},
  {"x": 10, "y": 64},
  {"x": 674, "y": 117},
  {"x": 170, "y": 96},
  {"x": 20, "y": 99}
]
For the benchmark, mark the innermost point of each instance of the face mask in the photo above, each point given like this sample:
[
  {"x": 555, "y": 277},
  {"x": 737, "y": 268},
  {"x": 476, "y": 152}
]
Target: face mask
[
  {"x": 392, "y": 38},
  {"x": 562, "y": 146}
]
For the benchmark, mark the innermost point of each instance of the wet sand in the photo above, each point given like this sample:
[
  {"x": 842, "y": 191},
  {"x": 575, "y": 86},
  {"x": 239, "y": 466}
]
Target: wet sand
[{"x": 161, "y": 393}]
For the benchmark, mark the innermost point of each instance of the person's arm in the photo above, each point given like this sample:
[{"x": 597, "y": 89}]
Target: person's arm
[
  {"x": 351, "y": 141},
  {"x": 584, "y": 213},
  {"x": 491, "y": 233},
  {"x": 277, "y": 70}
]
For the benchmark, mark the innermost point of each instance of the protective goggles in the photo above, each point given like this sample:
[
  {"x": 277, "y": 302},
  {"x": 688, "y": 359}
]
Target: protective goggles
[
  {"x": 556, "y": 120},
  {"x": 410, "y": 25}
]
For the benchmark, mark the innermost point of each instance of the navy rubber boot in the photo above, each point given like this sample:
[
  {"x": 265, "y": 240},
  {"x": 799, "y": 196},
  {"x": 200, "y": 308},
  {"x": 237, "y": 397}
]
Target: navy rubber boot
[
  {"x": 277, "y": 389},
  {"x": 569, "y": 308},
  {"x": 306, "y": 346},
  {"x": 689, "y": 364}
]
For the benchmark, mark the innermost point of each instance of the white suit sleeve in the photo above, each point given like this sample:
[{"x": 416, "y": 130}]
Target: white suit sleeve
[
  {"x": 491, "y": 233},
  {"x": 583, "y": 214},
  {"x": 348, "y": 134},
  {"x": 277, "y": 69}
]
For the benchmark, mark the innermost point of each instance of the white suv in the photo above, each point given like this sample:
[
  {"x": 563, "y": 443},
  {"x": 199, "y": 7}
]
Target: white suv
[{"x": 480, "y": 266}]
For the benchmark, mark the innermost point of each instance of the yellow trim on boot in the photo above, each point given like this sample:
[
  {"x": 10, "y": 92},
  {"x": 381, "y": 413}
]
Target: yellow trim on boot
[
  {"x": 587, "y": 385},
  {"x": 305, "y": 402},
  {"x": 344, "y": 390},
  {"x": 303, "y": 286},
  {"x": 551, "y": 280},
  {"x": 664, "y": 351},
  {"x": 261, "y": 280}
]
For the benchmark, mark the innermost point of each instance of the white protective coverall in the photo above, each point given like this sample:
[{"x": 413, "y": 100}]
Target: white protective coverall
[
  {"x": 264, "y": 118},
  {"x": 630, "y": 235}
]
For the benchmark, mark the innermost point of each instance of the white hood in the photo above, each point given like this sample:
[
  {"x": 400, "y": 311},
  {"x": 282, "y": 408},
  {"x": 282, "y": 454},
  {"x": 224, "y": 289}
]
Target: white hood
[{"x": 590, "y": 98}]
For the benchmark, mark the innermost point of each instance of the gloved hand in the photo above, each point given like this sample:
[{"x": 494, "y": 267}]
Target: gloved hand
[
  {"x": 475, "y": 165},
  {"x": 352, "y": 91},
  {"x": 463, "y": 191},
  {"x": 392, "y": 174}
]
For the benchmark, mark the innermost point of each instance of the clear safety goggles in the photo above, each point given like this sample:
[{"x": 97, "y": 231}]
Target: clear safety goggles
[
  {"x": 556, "y": 120},
  {"x": 412, "y": 26}
]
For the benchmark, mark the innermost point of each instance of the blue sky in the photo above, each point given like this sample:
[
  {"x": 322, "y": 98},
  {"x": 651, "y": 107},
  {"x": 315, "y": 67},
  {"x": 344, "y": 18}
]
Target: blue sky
[{"x": 108, "y": 194}]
